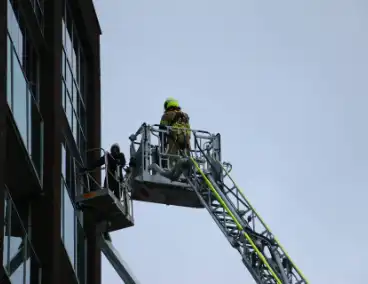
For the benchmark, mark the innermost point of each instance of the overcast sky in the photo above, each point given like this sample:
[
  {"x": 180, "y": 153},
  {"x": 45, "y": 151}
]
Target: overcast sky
[{"x": 284, "y": 82}]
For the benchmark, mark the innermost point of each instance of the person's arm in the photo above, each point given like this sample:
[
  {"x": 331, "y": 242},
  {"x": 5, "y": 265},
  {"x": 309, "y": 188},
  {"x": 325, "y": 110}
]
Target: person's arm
[
  {"x": 96, "y": 164},
  {"x": 99, "y": 163},
  {"x": 163, "y": 123},
  {"x": 121, "y": 160},
  {"x": 166, "y": 120},
  {"x": 187, "y": 120}
]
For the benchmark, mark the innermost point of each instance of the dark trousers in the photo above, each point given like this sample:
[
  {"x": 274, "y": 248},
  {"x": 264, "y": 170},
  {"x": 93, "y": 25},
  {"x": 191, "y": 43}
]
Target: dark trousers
[{"x": 113, "y": 185}]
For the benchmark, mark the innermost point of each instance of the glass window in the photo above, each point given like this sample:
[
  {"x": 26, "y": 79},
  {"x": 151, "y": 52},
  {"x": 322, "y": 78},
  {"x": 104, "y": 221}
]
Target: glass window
[
  {"x": 82, "y": 116},
  {"x": 20, "y": 99},
  {"x": 29, "y": 121},
  {"x": 68, "y": 77},
  {"x": 68, "y": 109},
  {"x": 69, "y": 226},
  {"x": 74, "y": 60},
  {"x": 17, "y": 276},
  {"x": 11, "y": 244},
  {"x": 63, "y": 64},
  {"x": 63, "y": 160},
  {"x": 63, "y": 32},
  {"x": 63, "y": 93},
  {"x": 62, "y": 206},
  {"x": 28, "y": 271},
  {"x": 14, "y": 30},
  {"x": 75, "y": 96},
  {"x": 75, "y": 126},
  {"x": 68, "y": 45},
  {"x": 6, "y": 245},
  {"x": 9, "y": 73}
]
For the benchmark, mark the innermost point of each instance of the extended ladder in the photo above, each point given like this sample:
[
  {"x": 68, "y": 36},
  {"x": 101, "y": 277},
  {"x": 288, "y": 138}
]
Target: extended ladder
[
  {"x": 261, "y": 252},
  {"x": 201, "y": 180}
]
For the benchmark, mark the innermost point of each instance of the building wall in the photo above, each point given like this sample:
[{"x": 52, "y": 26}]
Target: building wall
[{"x": 50, "y": 113}]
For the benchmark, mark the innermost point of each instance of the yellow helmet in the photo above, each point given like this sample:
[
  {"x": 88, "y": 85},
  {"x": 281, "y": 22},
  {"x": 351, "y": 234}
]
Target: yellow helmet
[{"x": 170, "y": 102}]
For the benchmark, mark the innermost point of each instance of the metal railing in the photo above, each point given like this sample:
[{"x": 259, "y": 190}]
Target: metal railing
[
  {"x": 148, "y": 146},
  {"x": 112, "y": 180}
]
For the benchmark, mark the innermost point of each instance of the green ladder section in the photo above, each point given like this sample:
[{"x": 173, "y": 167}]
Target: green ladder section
[{"x": 261, "y": 252}]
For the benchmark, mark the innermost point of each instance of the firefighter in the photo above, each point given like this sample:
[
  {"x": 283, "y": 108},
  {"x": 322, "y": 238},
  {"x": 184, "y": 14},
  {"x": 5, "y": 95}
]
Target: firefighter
[
  {"x": 114, "y": 159},
  {"x": 177, "y": 141}
]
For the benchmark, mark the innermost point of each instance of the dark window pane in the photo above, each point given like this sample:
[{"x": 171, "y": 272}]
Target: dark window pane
[{"x": 37, "y": 139}]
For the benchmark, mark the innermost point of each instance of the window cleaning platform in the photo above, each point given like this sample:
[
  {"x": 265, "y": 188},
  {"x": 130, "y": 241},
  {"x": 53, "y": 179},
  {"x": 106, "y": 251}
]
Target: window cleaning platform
[{"x": 104, "y": 210}]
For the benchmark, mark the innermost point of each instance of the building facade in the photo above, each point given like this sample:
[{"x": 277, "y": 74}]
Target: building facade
[{"x": 49, "y": 117}]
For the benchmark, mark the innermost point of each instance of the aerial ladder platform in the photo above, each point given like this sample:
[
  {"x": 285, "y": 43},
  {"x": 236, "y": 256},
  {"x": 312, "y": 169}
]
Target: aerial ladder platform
[
  {"x": 196, "y": 179},
  {"x": 200, "y": 179}
]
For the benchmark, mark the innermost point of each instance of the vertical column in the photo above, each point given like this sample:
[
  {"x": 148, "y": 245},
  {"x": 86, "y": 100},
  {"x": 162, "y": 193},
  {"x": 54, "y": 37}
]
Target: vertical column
[
  {"x": 3, "y": 112},
  {"x": 46, "y": 210},
  {"x": 94, "y": 141}
]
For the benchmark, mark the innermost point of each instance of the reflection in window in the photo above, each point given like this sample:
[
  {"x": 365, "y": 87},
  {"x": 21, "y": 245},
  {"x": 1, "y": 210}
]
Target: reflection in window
[
  {"x": 68, "y": 78},
  {"x": 75, "y": 95},
  {"x": 9, "y": 72},
  {"x": 63, "y": 64},
  {"x": 63, "y": 93},
  {"x": 29, "y": 124},
  {"x": 62, "y": 206},
  {"x": 69, "y": 225},
  {"x": 63, "y": 160},
  {"x": 75, "y": 126},
  {"x": 17, "y": 275},
  {"x": 14, "y": 30},
  {"x": 20, "y": 100},
  {"x": 69, "y": 109},
  {"x": 24, "y": 106},
  {"x": 28, "y": 271},
  {"x": 73, "y": 74}
]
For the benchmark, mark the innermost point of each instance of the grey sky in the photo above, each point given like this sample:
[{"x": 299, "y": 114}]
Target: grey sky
[{"x": 284, "y": 82}]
